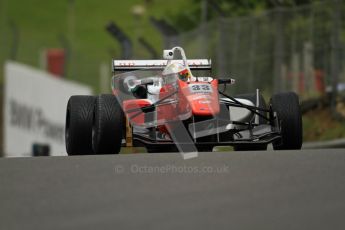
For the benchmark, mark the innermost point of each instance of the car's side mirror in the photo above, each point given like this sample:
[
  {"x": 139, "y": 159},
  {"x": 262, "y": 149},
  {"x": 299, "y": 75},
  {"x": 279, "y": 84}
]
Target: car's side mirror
[{"x": 226, "y": 81}]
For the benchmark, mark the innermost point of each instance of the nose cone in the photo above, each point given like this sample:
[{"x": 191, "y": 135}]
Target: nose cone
[{"x": 204, "y": 106}]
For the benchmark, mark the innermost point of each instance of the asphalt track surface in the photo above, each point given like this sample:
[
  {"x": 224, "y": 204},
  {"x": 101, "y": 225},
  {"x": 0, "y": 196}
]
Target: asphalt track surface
[{"x": 236, "y": 190}]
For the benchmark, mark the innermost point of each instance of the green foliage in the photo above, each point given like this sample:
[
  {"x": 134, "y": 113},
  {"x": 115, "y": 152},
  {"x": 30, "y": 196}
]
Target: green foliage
[
  {"x": 189, "y": 15},
  {"x": 37, "y": 25}
]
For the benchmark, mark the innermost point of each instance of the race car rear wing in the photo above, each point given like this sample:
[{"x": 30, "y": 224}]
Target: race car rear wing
[{"x": 131, "y": 65}]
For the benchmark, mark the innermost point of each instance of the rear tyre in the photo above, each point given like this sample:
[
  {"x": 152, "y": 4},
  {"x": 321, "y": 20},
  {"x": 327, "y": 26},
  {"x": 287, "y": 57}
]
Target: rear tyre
[
  {"x": 107, "y": 129},
  {"x": 289, "y": 114},
  {"x": 78, "y": 127},
  {"x": 262, "y": 104}
]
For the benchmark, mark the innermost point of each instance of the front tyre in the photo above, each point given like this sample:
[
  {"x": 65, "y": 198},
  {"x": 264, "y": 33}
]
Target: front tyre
[
  {"x": 78, "y": 129},
  {"x": 107, "y": 129},
  {"x": 289, "y": 114}
]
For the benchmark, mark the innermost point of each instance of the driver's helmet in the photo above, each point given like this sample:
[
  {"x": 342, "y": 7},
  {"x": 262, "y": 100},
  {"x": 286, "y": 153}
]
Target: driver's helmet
[{"x": 177, "y": 70}]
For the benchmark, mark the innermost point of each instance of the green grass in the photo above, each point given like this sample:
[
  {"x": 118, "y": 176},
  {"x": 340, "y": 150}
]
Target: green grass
[
  {"x": 40, "y": 23},
  {"x": 318, "y": 125}
]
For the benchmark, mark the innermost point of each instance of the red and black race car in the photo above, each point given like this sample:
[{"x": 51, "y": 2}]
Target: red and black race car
[{"x": 174, "y": 105}]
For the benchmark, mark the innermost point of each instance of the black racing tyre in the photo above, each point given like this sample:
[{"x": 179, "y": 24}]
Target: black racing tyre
[
  {"x": 78, "y": 127},
  {"x": 108, "y": 125},
  {"x": 262, "y": 104},
  {"x": 288, "y": 110}
]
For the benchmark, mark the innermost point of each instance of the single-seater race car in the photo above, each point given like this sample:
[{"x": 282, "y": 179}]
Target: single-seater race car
[{"x": 175, "y": 105}]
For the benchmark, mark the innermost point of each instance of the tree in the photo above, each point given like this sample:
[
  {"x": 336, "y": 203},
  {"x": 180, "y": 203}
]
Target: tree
[{"x": 190, "y": 17}]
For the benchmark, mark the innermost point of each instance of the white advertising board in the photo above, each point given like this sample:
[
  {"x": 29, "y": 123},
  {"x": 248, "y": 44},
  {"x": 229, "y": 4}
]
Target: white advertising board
[{"x": 35, "y": 109}]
